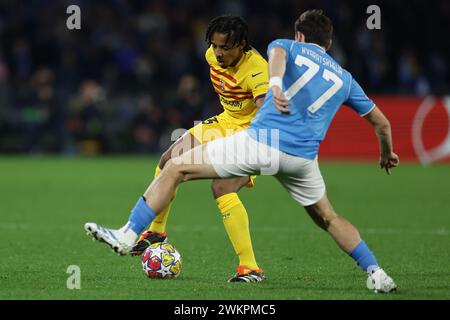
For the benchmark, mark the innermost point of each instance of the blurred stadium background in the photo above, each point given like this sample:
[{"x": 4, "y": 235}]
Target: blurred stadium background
[{"x": 136, "y": 71}]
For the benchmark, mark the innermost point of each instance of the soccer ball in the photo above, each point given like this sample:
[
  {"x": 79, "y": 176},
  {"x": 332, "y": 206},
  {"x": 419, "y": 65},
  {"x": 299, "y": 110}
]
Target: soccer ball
[{"x": 161, "y": 260}]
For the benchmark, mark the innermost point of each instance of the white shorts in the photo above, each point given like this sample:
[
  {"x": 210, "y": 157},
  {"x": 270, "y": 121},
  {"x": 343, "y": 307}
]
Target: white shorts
[{"x": 240, "y": 155}]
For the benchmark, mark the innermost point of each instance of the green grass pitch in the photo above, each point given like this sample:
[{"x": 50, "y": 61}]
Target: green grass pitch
[{"x": 405, "y": 219}]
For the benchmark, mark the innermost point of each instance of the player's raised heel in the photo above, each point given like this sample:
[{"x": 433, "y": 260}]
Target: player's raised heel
[
  {"x": 107, "y": 236},
  {"x": 245, "y": 274},
  {"x": 380, "y": 282},
  {"x": 147, "y": 238}
]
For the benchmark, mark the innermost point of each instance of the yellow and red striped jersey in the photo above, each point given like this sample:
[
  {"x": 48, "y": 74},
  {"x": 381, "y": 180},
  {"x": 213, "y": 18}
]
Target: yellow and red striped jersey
[{"x": 239, "y": 86}]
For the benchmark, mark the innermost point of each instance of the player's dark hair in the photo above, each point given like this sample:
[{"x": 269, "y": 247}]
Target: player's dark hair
[
  {"x": 316, "y": 27},
  {"x": 233, "y": 26}
]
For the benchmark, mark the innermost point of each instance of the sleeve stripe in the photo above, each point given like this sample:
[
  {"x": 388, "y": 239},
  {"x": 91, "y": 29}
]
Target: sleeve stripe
[{"x": 370, "y": 110}]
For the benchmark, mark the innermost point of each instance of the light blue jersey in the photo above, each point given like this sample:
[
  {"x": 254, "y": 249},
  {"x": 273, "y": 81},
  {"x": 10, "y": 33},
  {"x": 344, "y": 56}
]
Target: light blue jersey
[{"x": 317, "y": 86}]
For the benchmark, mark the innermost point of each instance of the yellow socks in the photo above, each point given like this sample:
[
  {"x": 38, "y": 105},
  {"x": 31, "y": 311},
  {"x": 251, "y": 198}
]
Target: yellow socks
[
  {"x": 236, "y": 224},
  {"x": 159, "y": 223},
  {"x": 235, "y": 220}
]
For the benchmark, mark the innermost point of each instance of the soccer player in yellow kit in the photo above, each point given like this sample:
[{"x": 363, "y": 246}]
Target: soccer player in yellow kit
[{"x": 239, "y": 75}]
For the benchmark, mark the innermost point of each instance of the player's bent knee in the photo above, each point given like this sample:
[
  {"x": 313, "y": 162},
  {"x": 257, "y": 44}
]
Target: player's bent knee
[
  {"x": 180, "y": 171},
  {"x": 166, "y": 156},
  {"x": 219, "y": 188},
  {"x": 175, "y": 168},
  {"x": 179, "y": 147},
  {"x": 222, "y": 187}
]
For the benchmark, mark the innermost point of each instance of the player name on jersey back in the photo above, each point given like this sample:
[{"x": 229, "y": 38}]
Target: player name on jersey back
[{"x": 322, "y": 60}]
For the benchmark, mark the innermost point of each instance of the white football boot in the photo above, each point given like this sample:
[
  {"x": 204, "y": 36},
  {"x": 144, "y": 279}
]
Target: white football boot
[
  {"x": 380, "y": 282},
  {"x": 121, "y": 240}
]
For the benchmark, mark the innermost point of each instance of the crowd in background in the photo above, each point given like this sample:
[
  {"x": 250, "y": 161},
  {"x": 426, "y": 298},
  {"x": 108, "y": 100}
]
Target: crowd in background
[{"x": 136, "y": 69}]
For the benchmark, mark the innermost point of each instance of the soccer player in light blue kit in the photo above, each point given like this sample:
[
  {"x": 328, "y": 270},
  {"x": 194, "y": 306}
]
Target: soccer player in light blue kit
[{"x": 307, "y": 87}]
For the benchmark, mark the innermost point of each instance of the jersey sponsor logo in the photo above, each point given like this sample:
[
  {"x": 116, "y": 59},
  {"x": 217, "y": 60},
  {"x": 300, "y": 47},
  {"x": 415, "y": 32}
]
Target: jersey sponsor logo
[
  {"x": 256, "y": 74},
  {"x": 440, "y": 150},
  {"x": 231, "y": 103}
]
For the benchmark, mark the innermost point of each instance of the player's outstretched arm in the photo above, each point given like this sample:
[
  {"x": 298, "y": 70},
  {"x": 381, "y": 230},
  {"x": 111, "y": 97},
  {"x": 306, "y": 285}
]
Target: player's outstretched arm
[
  {"x": 277, "y": 67},
  {"x": 388, "y": 159}
]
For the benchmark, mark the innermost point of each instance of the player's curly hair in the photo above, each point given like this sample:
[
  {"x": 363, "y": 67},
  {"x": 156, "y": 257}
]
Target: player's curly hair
[
  {"x": 234, "y": 26},
  {"x": 316, "y": 27}
]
